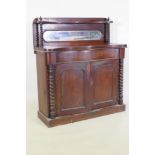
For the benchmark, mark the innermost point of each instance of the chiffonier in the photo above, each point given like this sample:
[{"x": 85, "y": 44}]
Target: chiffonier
[{"x": 80, "y": 73}]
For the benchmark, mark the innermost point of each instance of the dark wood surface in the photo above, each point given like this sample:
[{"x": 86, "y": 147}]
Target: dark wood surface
[
  {"x": 71, "y": 20},
  {"x": 42, "y": 75},
  {"x": 104, "y": 83},
  {"x": 40, "y": 25},
  {"x": 60, "y": 48},
  {"x": 77, "y": 80},
  {"x": 81, "y": 116},
  {"x": 83, "y": 55}
]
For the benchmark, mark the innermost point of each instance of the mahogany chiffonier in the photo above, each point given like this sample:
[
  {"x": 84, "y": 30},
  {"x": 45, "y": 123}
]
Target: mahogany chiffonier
[{"x": 80, "y": 73}]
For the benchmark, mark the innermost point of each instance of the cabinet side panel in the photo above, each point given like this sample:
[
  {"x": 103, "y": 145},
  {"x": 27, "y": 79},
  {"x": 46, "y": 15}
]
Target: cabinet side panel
[{"x": 42, "y": 84}]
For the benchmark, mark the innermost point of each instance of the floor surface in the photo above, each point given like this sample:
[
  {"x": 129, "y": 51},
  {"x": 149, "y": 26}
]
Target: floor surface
[{"x": 106, "y": 135}]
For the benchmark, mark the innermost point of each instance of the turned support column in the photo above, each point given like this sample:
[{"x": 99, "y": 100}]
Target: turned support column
[
  {"x": 120, "y": 81},
  {"x": 51, "y": 85}
]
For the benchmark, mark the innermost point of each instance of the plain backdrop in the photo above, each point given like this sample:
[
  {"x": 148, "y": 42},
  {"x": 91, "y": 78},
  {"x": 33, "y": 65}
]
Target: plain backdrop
[
  {"x": 96, "y": 131},
  {"x": 103, "y": 135}
]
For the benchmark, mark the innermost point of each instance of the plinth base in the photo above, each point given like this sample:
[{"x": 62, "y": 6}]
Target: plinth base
[{"x": 82, "y": 116}]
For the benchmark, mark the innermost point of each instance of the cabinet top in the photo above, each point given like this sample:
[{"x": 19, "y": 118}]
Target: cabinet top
[
  {"x": 71, "y": 20},
  {"x": 45, "y": 50}
]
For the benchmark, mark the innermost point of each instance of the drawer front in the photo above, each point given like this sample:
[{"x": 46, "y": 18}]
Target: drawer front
[
  {"x": 82, "y": 55},
  {"x": 85, "y": 55}
]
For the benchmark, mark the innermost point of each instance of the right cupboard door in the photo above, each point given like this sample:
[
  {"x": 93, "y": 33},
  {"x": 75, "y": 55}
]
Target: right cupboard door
[{"x": 104, "y": 83}]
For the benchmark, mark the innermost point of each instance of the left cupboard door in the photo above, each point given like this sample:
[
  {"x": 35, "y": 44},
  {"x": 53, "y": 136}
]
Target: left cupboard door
[{"x": 71, "y": 88}]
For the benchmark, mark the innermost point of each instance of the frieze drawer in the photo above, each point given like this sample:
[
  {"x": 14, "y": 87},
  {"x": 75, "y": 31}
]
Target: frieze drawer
[{"x": 83, "y": 55}]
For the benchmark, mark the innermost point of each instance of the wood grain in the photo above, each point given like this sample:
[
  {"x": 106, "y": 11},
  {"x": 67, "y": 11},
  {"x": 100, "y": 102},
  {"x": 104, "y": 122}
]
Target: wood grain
[{"x": 77, "y": 80}]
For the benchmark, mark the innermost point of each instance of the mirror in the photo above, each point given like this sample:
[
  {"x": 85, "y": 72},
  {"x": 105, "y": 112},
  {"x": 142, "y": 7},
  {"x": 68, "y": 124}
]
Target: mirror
[{"x": 50, "y": 36}]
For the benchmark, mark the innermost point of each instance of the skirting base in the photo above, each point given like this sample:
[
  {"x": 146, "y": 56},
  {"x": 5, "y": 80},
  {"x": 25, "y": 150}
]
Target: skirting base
[{"x": 82, "y": 116}]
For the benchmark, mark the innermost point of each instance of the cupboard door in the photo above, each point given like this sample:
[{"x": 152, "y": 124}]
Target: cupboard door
[
  {"x": 71, "y": 88},
  {"x": 104, "y": 83}
]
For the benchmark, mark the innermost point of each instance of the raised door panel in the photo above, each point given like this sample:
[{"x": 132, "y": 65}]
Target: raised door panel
[
  {"x": 71, "y": 88},
  {"x": 104, "y": 83}
]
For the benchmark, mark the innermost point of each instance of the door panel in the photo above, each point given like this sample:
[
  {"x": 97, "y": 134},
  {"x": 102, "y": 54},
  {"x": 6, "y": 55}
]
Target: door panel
[
  {"x": 104, "y": 83},
  {"x": 71, "y": 88},
  {"x": 103, "y": 92}
]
